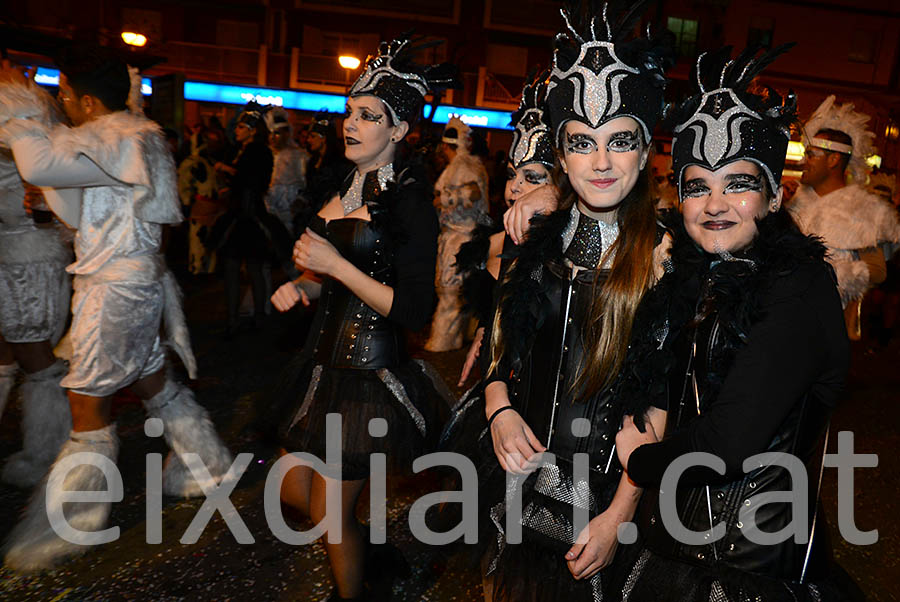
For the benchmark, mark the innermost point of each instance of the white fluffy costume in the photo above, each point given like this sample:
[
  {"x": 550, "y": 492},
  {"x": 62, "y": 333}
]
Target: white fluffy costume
[
  {"x": 113, "y": 179},
  {"x": 848, "y": 220},
  {"x": 288, "y": 171},
  {"x": 463, "y": 191},
  {"x": 34, "y": 306}
]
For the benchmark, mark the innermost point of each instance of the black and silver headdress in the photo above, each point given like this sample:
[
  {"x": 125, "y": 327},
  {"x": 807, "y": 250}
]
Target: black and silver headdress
[
  {"x": 725, "y": 122},
  {"x": 532, "y": 138},
  {"x": 252, "y": 114},
  {"x": 398, "y": 81},
  {"x": 599, "y": 74}
]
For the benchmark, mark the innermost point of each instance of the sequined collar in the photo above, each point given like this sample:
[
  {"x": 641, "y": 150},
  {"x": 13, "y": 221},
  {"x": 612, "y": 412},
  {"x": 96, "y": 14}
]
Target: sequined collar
[
  {"x": 361, "y": 189},
  {"x": 585, "y": 239}
]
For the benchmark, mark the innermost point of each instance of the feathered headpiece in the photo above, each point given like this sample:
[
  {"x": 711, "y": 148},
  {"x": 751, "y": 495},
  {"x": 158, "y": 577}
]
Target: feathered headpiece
[
  {"x": 456, "y": 131},
  {"x": 725, "y": 122},
  {"x": 276, "y": 119},
  {"x": 598, "y": 74},
  {"x": 532, "y": 139},
  {"x": 252, "y": 114},
  {"x": 398, "y": 81},
  {"x": 830, "y": 116}
]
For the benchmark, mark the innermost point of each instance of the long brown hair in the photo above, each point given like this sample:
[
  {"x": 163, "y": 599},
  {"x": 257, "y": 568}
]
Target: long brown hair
[
  {"x": 611, "y": 316},
  {"x": 615, "y": 301}
]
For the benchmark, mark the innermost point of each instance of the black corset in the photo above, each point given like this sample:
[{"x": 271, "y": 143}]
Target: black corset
[{"x": 347, "y": 333}]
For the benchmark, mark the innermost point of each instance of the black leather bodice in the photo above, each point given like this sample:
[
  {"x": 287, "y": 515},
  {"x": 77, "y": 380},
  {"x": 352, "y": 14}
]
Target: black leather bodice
[
  {"x": 347, "y": 333},
  {"x": 543, "y": 389},
  {"x": 727, "y": 500}
]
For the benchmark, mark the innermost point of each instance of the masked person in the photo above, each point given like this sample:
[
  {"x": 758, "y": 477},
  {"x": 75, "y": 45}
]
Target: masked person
[
  {"x": 369, "y": 256},
  {"x": 531, "y": 159},
  {"x": 743, "y": 343},
  {"x": 566, "y": 301}
]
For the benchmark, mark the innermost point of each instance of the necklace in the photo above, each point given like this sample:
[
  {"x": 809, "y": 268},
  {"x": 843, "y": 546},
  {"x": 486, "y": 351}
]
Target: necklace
[{"x": 353, "y": 198}]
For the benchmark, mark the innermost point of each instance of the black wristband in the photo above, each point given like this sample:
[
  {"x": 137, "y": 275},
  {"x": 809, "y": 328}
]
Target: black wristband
[{"x": 497, "y": 412}]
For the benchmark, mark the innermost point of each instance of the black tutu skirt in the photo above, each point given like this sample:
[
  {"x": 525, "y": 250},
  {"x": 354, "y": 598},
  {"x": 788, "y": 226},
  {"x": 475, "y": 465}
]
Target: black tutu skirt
[
  {"x": 411, "y": 398},
  {"x": 652, "y": 577}
]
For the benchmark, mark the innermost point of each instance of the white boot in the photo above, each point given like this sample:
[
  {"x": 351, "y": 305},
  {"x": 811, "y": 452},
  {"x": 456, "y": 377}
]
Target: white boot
[
  {"x": 46, "y": 422},
  {"x": 187, "y": 429},
  {"x": 7, "y": 380},
  {"x": 33, "y": 544}
]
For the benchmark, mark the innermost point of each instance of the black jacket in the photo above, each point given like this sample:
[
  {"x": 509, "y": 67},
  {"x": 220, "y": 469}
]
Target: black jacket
[{"x": 765, "y": 342}]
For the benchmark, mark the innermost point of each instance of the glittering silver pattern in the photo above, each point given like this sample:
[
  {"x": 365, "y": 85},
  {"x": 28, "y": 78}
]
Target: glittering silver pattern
[
  {"x": 635, "y": 574},
  {"x": 353, "y": 198},
  {"x": 310, "y": 394},
  {"x": 532, "y": 141},
  {"x": 439, "y": 385},
  {"x": 596, "y": 94},
  {"x": 396, "y": 387},
  {"x": 716, "y": 130},
  {"x": 562, "y": 488},
  {"x": 593, "y": 237}
]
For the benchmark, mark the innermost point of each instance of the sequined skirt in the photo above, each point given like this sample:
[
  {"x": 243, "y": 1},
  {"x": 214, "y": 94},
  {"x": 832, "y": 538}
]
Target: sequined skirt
[{"x": 411, "y": 399}]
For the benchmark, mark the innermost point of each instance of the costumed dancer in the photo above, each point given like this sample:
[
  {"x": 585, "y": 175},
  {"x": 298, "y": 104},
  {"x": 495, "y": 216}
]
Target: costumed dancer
[
  {"x": 198, "y": 190},
  {"x": 34, "y": 305},
  {"x": 743, "y": 342},
  {"x": 289, "y": 170},
  {"x": 247, "y": 234},
  {"x": 532, "y": 156},
  {"x": 566, "y": 301},
  {"x": 858, "y": 227},
  {"x": 113, "y": 179},
  {"x": 462, "y": 189},
  {"x": 370, "y": 258},
  {"x": 326, "y": 169}
]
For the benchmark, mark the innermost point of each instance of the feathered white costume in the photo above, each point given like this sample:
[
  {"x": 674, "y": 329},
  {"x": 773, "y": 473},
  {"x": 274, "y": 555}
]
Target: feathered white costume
[
  {"x": 463, "y": 192},
  {"x": 288, "y": 171},
  {"x": 34, "y": 306},
  {"x": 849, "y": 219},
  {"x": 112, "y": 179}
]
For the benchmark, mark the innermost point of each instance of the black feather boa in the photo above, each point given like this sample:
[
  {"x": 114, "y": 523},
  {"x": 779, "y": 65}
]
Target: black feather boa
[
  {"x": 477, "y": 283},
  {"x": 734, "y": 290},
  {"x": 525, "y": 288}
]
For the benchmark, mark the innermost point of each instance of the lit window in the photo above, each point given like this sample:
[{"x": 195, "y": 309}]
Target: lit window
[{"x": 685, "y": 31}]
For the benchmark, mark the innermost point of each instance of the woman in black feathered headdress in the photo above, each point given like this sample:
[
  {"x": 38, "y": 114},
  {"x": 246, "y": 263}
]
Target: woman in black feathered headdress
[
  {"x": 368, "y": 255},
  {"x": 564, "y": 309},
  {"x": 743, "y": 343}
]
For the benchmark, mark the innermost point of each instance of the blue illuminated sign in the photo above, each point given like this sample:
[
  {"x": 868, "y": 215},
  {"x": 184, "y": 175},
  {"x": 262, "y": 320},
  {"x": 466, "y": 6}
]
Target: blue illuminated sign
[
  {"x": 289, "y": 99},
  {"x": 498, "y": 120},
  {"x": 50, "y": 77},
  {"x": 331, "y": 103}
]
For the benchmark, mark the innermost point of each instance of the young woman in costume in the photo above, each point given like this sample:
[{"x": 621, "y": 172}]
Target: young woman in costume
[
  {"x": 369, "y": 256},
  {"x": 532, "y": 156},
  {"x": 743, "y": 342},
  {"x": 565, "y": 304}
]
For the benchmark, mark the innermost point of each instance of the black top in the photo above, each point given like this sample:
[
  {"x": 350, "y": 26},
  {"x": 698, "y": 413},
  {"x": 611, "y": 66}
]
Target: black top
[
  {"x": 398, "y": 247},
  {"x": 799, "y": 347},
  {"x": 762, "y": 341}
]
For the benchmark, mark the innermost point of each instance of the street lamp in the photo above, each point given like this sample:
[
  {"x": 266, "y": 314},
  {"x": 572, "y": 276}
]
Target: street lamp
[
  {"x": 134, "y": 39},
  {"x": 348, "y": 62}
]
